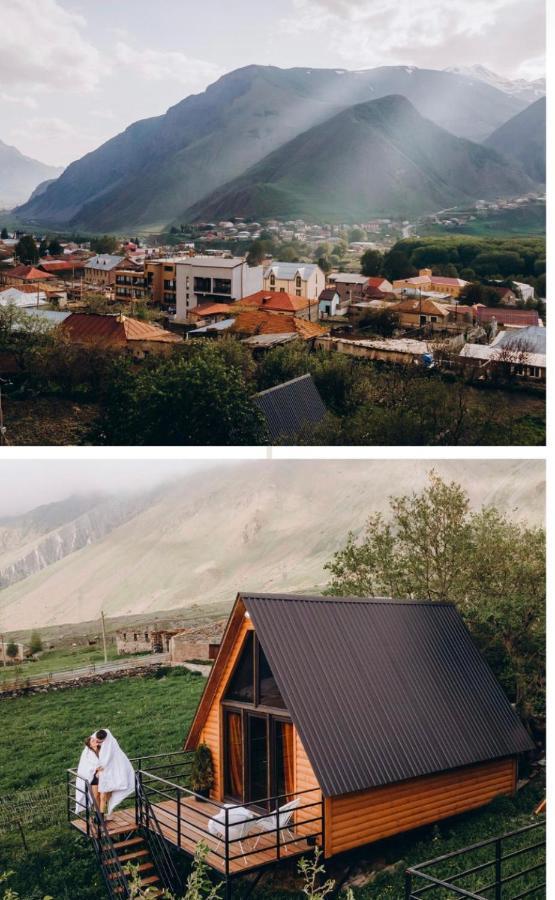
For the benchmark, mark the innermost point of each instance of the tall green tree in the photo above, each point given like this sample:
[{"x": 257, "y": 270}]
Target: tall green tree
[
  {"x": 35, "y": 643},
  {"x": 26, "y": 250},
  {"x": 371, "y": 263},
  {"x": 433, "y": 546},
  {"x": 106, "y": 243},
  {"x": 256, "y": 253},
  {"x": 4, "y": 234},
  {"x": 55, "y": 248}
]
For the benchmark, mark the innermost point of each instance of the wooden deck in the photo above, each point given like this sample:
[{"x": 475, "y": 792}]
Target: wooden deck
[{"x": 193, "y": 828}]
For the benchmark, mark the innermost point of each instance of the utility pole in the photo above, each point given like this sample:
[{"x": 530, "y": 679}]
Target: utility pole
[
  {"x": 104, "y": 636},
  {"x": 3, "y": 645}
]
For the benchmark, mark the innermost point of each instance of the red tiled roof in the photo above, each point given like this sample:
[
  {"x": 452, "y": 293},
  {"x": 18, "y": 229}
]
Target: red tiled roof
[
  {"x": 260, "y": 322},
  {"x": 276, "y": 300},
  {"x": 61, "y": 265},
  {"x": 424, "y": 305},
  {"x": 210, "y": 309},
  {"x": 113, "y": 331},
  {"x": 440, "y": 279},
  {"x": 376, "y": 281},
  {"x": 28, "y": 273}
]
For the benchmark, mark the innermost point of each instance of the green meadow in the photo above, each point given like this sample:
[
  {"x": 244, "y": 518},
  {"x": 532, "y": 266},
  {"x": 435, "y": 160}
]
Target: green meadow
[{"x": 41, "y": 735}]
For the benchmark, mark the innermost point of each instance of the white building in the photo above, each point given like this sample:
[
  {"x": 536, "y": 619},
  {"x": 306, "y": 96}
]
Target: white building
[
  {"x": 297, "y": 279},
  {"x": 526, "y": 291},
  {"x": 202, "y": 279}
]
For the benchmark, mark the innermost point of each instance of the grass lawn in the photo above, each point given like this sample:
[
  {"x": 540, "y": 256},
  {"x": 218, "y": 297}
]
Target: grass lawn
[{"x": 43, "y": 734}]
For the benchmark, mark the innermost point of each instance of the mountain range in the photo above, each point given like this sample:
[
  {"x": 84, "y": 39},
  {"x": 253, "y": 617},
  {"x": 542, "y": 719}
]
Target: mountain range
[
  {"x": 155, "y": 170},
  {"x": 200, "y": 539},
  {"x": 20, "y": 175},
  {"x": 523, "y": 139},
  {"x": 376, "y": 158},
  {"x": 529, "y": 91}
]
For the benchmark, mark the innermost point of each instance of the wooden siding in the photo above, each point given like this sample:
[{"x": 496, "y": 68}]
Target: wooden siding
[
  {"x": 211, "y": 731},
  {"x": 356, "y": 819}
]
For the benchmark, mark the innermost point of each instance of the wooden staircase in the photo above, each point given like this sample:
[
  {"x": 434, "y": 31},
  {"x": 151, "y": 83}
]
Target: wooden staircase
[{"x": 131, "y": 848}]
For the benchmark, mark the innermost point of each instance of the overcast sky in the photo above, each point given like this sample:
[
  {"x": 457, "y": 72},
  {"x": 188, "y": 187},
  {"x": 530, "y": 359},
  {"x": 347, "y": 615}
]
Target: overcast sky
[
  {"x": 25, "y": 484},
  {"x": 73, "y": 73}
]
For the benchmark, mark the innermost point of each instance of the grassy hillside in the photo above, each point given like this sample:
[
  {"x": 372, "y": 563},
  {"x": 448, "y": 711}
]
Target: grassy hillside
[
  {"x": 377, "y": 158},
  {"x": 151, "y": 715}
]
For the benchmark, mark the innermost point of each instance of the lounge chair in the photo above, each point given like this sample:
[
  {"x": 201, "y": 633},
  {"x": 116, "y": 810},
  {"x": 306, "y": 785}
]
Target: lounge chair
[{"x": 266, "y": 824}]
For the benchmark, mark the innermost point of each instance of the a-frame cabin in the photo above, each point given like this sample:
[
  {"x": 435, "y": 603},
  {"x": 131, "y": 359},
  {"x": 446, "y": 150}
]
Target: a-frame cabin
[{"x": 384, "y": 709}]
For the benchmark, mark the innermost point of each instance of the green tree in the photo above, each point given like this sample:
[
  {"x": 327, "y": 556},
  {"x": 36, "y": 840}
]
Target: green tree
[
  {"x": 4, "y": 234},
  {"x": 380, "y": 321},
  {"x": 26, "y": 250},
  {"x": 256, "y": 253},
  {"x": 107, "y": 243},
  {"x": 190, "y": 398},
  {"x": 325, "y": 264},
  {"x": 371, "y": 263},
  {"x": 356, "y": 234},
  {"x": 55, "y": 248},
  {"x": 397, "y": 264},
  {"x": 12, "y": 650},
  {"x": 35, "y": 644},
  {"x": 433, "y": 546},
  {"x": 43, "y": 247}
]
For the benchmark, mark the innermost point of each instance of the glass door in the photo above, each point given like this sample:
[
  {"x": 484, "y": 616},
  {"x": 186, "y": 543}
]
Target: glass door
[{"x": 258, "y": 758}]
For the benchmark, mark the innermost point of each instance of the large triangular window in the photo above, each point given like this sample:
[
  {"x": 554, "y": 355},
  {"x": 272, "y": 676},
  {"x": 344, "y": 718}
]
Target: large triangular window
[{"x": 252, "y": 681}]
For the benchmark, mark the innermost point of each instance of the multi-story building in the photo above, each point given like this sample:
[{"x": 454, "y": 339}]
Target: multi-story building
[
  {"x": 160, "y": 280},
  {"x": 299, "y": 279},
  {"x": 100, "y": 270},
  {"x": 130, "y": 285},
  {"x": 426, "y": 281},
  {"x": 208, "y": 279}
]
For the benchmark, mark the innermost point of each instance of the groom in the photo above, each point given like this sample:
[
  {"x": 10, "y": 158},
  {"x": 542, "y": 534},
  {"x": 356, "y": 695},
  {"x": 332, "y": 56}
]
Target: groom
[{"x": 116, "y": 776}]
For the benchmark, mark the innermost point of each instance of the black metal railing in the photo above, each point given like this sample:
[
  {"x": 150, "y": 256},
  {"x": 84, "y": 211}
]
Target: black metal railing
[
  {"x": 149, "y": 827},
  {"x": 238, "y": 836},
  {"x": 86, "y": 808},
  {"x": 507, "y": 868}
]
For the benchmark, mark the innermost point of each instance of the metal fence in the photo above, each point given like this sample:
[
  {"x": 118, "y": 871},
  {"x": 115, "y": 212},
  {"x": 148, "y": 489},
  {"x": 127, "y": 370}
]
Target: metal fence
[{"x": 509, "y": 867}]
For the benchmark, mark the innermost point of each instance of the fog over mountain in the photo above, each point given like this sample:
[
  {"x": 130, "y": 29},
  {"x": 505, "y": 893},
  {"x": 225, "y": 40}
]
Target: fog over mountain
[
  {"x": 253, "y": 526},
  {"x": 379, "y": 158},
  {"x": 159, "y": 167},
  {"x": 523, "y": 139}
]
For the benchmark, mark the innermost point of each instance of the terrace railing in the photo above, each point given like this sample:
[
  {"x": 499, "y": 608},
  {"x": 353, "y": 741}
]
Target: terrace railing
[
  {"x": 509, "y": 867},
  {"x": 187, "y": 818},
  {"x": 158, "y": 847}
]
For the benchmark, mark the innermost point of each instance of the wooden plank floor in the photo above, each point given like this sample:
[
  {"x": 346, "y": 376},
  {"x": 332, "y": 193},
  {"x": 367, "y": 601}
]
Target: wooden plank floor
[{"x": 194, "y": 825}]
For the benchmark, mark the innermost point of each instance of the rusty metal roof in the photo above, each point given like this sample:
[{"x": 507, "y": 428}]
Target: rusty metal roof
[{"x": 381, "y": 690}]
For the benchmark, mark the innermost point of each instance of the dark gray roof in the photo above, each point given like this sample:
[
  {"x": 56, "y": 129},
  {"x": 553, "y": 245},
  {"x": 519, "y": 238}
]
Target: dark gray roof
[
  {"x": 532, "y": 339},
  {"x": 381, "y": 690},
  {"x": 292, "y": 408}
]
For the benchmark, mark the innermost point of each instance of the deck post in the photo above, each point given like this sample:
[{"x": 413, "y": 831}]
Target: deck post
[
  {"x": 179, "y": 818},
  {"x": 226, "y": 833},
  {"x": 87, "y": 816},
  {"x": 408, "y": 886},
  {"x": 277, "y": 828},
  {"x": 498, "y": 883},
  {"x": 68, "y": 793}
]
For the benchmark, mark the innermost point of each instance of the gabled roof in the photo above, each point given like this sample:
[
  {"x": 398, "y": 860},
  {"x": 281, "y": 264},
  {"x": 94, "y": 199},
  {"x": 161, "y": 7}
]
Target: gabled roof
[
  {"x": 292, "y": 408},
  {"x": 287, "y": 270},
  {"x": 379, "y": 691},
  {"x": 279, "y": 301},
  {"x": 383, "y": 690},
  {"x": 104, "y": 262},
  {"x": 27, "y": 273},
  {"x": 259, "y": 321},
  {"x": 420, "y": 305},
  {"x": 113, "y": 331}
]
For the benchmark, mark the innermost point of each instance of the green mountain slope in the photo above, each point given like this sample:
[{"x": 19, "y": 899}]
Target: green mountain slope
[
  {"x": 250, "y": 526},
  {"x": 158, "y": 167},
  {"x": 20, "y": 175},
  {"x": 523, "y": 138},
  {"x": 376, "y": 158}
]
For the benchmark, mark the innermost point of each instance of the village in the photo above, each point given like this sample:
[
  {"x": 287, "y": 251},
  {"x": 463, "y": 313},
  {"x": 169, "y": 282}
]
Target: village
[{"x": 143, "y": 301}]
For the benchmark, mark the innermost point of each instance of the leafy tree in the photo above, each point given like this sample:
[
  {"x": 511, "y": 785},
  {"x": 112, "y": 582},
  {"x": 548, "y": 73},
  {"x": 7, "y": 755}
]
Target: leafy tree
[
  {"x": 12, "y": 650},
  {"x": 55, "y": 248},
  {"x": 434, "y": 547},
  {"x": 502, "y": 263},
  {"x": 107, "y": 243},
  {"x": 43, "y": 247},
  {"x": 4, "y": 234},
  {"x": 325, "y": 264},
  {"x": 26, "y": 250},
  {"x": 396, "y": 264},
  {"x": 256, "y": 253},
  {"x": 35, "y": 644},
  {"x": 371, "y": 263},
  {"x": 192, "y": 398},
  {"x": 356, "y": 234}
]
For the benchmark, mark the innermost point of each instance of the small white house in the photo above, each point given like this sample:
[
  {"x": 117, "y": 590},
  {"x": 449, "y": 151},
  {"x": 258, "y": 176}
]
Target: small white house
[
  {"x": 209, "y": 279},
  {"x": 297, "y": 279}
]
